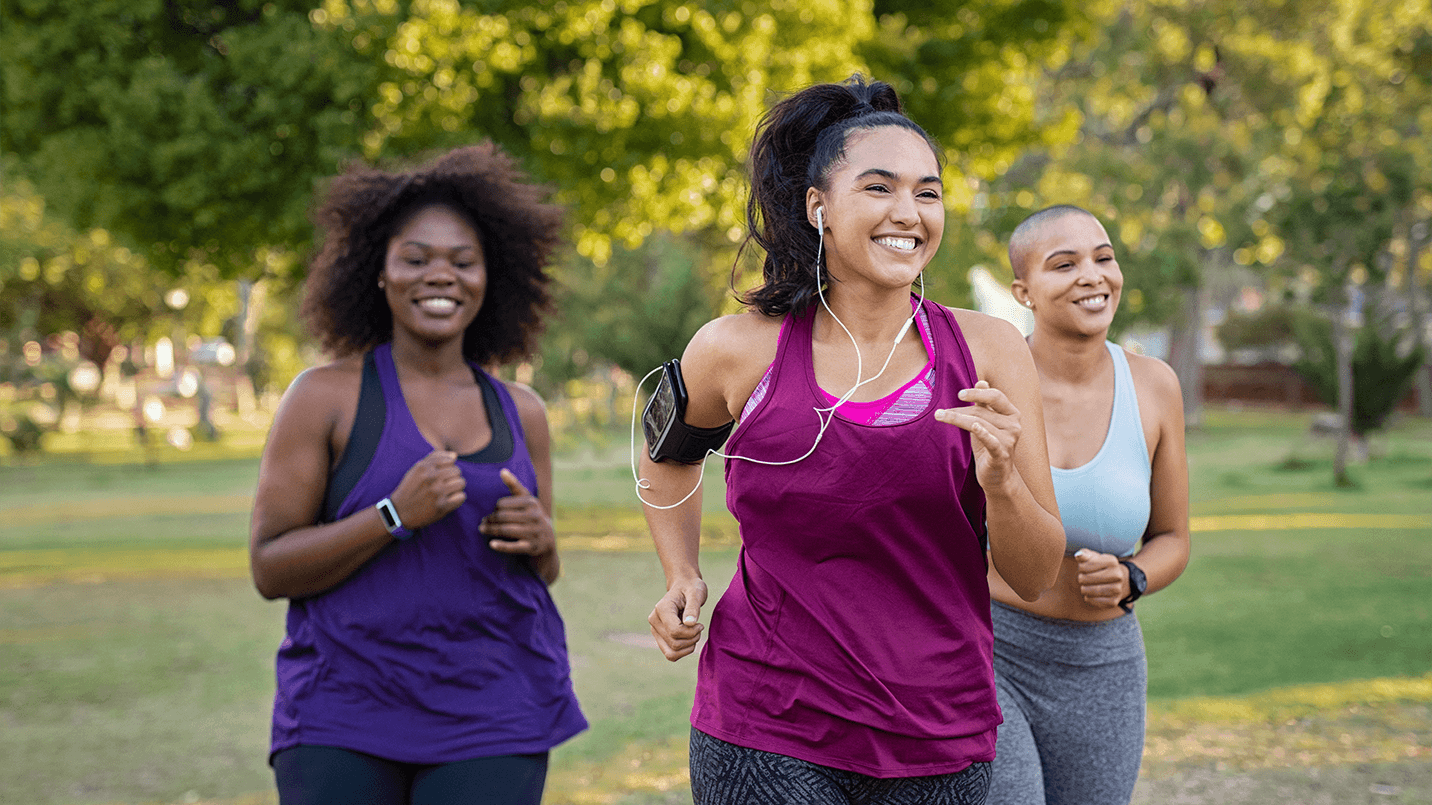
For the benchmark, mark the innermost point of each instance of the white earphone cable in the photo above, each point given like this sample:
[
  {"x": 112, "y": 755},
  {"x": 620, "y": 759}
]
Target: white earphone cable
[{"x": 824, "y": 415}]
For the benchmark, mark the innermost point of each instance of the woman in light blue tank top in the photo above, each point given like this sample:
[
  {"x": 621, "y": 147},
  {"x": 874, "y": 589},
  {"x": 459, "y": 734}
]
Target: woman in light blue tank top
[{"x": 1069, "y": 668}]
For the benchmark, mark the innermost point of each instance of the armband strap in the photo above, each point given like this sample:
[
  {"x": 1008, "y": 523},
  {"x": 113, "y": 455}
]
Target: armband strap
[
  {"x": 667, "y": 434},
  {"x": 687, "y": 445}
]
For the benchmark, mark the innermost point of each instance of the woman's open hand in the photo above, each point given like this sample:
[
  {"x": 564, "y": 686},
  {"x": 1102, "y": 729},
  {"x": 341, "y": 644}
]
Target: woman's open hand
[
  {"x": 519, "y": 524},
  {"x": 994, "y": 427}
]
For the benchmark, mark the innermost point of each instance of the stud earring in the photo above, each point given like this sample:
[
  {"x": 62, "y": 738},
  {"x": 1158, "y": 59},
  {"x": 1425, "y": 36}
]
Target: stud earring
[{"x": 381, "y": 284}]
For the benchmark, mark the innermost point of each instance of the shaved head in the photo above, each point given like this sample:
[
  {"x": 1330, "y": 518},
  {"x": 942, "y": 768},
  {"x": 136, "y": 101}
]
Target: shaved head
[{"x": 1028, "y": 230}]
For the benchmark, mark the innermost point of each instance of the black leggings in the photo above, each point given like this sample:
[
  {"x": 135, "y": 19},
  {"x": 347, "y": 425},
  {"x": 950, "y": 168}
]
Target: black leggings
[
  {"x": 326, "y": 775},
  {"x": 726, "y": 774}
]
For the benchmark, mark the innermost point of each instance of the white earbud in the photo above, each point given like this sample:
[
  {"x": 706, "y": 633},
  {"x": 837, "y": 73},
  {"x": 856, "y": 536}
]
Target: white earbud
[{"x": 819, "y": 218}]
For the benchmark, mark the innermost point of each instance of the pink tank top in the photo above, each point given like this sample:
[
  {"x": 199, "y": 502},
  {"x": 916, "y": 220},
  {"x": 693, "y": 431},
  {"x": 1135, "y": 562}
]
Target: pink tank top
[{"x": 856, "y": 632}]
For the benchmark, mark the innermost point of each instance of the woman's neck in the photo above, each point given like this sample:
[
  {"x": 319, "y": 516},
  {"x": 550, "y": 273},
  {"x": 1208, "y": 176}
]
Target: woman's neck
[
  {"x": 427, "y": 359},
  {"x": 1068, "y": 358},
  {"x": 871, "y": 317}
]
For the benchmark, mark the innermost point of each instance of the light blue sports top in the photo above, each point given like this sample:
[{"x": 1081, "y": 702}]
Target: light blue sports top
[{"x": 1105, "y": 503}]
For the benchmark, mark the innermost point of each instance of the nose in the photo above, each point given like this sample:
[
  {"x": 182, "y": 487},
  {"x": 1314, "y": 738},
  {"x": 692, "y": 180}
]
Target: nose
[
  {"x": 440, "y": 272},
  {"x": 904, "y": 211},
  {"x": 1089, "y": 273}
]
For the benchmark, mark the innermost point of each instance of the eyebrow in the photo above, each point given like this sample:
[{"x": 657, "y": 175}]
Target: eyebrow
[
  {"x": 422, "y": 245},
  {"x": 894, "y": 176},
  {"x": 1058, "y": 252}
]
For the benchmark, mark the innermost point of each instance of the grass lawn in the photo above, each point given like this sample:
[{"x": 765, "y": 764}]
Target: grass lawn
[{"x": 136, "y": 659}]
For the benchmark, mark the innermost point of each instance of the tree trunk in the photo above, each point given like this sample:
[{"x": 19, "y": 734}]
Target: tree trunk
[
  {"x": 1342, "y": 351},
  {"x": 1184, "y": 354}
]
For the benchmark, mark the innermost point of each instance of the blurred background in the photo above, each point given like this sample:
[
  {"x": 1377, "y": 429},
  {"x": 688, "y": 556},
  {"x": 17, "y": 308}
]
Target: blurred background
[{"x": 1264, "y": 169}]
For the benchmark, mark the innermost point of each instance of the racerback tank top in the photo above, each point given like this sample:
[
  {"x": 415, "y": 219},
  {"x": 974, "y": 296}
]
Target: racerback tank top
[
  {"x": 438, "y": 649},
  {"x": 856, "y": 632}
]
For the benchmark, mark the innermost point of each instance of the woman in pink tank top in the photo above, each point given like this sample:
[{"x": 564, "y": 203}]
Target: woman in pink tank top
[{"x": 850, "y": 660}]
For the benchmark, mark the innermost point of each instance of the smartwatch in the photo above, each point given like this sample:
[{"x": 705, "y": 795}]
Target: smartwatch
[
  {"x": 1138, "y": 583},
  {"x": 391, "y": 521}
]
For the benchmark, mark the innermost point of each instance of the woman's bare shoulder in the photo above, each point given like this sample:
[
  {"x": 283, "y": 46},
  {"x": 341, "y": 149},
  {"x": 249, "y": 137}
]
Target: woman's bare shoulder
[
  {"x": 320, "y": 392},
  {"x": 992, "y": 341},
  {"x": 734, "y": 340},
  {"x": 530, "y": 405},
  {"x": 1154, "y": 377}
]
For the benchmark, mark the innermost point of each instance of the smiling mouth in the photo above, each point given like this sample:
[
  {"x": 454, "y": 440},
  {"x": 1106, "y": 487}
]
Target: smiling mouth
[
  {"x": 899, "y": 244},
  {"x": 438, "y": 304},
  {"x": 1096, "y": 302}
]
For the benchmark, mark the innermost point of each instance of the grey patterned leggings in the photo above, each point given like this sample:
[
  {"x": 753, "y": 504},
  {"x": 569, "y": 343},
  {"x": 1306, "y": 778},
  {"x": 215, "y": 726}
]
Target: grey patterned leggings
[
  {"x": 1072, "y": 694},
  {"x": 726, "y": 774}
]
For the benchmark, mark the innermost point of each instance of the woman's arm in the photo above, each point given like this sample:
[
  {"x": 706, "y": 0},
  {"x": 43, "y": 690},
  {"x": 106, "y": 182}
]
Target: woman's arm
[
  {"x": 720, "y": 366},
  {"x": 292, "y": 555},
  {"x": 1165, "y": 550},
  {"x": 522, "y": 523},
  {"x": 1005, "y": 419}
]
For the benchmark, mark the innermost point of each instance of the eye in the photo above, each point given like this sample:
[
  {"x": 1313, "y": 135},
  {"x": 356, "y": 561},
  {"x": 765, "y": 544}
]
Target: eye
[
  {"x": 877, "y": 188},
  {"x": 930, "y": 194}
]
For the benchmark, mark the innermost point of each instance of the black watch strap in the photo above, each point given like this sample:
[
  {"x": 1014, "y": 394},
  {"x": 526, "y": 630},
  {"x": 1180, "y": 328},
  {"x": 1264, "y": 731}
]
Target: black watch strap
[{"x": 1138, "y": 583}]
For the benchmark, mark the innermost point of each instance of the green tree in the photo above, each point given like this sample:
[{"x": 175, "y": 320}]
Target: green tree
[
  {"x": 192, "y": 130},
  {"x": 1354, "y": 177},
  {"x": 196, "y": 132},
  {"x": 55, "y": 280}
]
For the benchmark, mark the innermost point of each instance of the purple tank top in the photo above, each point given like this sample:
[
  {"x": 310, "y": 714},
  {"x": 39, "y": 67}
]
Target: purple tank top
[
  {"x": 856, "y": 632},
  {"x": 438, "y": 649}
]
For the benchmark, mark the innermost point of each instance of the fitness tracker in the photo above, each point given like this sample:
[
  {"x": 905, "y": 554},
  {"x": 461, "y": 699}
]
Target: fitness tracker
[
  {"x": 391, "y": 521},
  {"x": 1138, "y": 583}
]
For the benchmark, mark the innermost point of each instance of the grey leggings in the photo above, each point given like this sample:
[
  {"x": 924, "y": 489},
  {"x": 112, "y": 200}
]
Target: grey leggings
[{"x": 1073, "y": 697}]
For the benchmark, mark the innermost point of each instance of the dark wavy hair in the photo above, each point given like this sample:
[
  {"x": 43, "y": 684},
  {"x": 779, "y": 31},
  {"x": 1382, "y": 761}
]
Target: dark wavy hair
[
  {"x": 363, "y": 208},
  {"x": 798, "y": 143}
]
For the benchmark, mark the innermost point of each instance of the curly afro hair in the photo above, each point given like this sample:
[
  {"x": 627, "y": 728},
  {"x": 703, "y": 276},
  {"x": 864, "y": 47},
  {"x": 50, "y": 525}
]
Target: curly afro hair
[{"x": 364, "y": 208}]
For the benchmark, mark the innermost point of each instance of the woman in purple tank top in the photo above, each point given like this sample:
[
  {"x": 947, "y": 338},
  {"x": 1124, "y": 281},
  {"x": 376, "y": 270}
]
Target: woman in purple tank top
[
  {"x": 850, "y": 659},
  {"x": 404, "y": 501}
]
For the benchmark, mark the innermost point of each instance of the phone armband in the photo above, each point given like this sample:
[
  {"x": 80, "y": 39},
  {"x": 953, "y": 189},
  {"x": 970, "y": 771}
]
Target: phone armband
[{"x": 668, "y": 437}]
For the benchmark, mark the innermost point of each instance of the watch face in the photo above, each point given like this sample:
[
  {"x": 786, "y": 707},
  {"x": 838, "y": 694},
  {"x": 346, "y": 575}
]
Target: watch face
[{"x": 387, "y": 514}]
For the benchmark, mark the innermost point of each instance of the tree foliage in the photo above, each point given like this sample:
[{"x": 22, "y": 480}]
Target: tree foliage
[
  {"x": 55, "y": 280},
  {"x": 190, "y": 129},
  {"x": 1384, "y": 360},
  {"x": 203, "y": 126}
]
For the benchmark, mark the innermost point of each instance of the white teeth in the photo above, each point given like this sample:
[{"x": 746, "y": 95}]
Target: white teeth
[
  {"x": 438, "y": 305},
  {"x": 1093, "y": 301},
  {"x": 903, "y": 244}
]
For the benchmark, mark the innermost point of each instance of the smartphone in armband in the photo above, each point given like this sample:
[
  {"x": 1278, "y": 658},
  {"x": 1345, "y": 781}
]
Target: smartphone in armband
[{"x": 668, "y": 437}]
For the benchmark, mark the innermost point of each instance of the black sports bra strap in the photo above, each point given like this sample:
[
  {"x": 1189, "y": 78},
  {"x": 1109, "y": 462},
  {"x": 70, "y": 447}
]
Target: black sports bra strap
[
  {"x": 499, "y": 449},
  {"x": 362, "y": 440}
]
